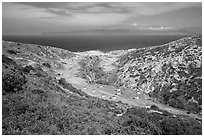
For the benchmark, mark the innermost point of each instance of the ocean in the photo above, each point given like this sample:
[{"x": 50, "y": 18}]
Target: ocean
[{"x": 89, "y": 42}]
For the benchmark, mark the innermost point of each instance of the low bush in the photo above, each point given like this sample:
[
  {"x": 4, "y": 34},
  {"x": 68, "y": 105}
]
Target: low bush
[
  {"x": 13, "y": 82},
  {"x": 27, "y": 69},
  {"x": 68, "y": 86},
  {"x": 8, "y": 61},
  {"x": 46, "y": 65},
  {"x": 12, "y": 52},
  {"x": 176, "y": 126}
]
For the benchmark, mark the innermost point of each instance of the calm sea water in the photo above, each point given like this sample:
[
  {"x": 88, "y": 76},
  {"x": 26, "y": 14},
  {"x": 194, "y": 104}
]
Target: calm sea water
[{"x": 103, "y": 43}]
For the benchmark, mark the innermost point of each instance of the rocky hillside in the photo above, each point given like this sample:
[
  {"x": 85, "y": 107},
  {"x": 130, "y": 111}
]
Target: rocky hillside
[
  {"x": 30, "y": 54},
  {"x": 171, "y": 73}
]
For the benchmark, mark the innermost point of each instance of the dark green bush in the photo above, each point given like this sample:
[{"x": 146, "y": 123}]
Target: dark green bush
[
  {"x": 176, "y": 126},
  {"x": 8, "y": 61},
  {"x": 154, "y": 107},
  {"x": 46, "y": 65},
  {"x": 27, "y": 69},
  {"x": 13, "y": 82},
  {"x": 12, "y": 52},
  {"x": 133, "y": 124},
  {"x": 38, "y": 91},
  {"x": 68, "y": 86}
]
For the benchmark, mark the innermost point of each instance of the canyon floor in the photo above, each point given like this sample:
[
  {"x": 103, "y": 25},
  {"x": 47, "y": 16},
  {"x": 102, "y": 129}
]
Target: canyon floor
[{"x": 109, "y": 92}]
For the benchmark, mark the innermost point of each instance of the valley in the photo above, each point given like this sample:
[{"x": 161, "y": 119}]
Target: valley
[
  {"x": 110, "y": 92},
  {"x": 135, "y": 91}
]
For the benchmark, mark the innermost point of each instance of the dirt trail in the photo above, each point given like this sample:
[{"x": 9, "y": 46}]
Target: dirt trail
[{"x": 130, "y": 97}]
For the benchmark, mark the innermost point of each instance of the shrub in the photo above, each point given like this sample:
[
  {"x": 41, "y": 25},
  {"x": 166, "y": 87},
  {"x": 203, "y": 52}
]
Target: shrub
[
  {"x": 68, "y": 86},
  {"x": 12, "y": 52},
  {"x": 135, "y": 125},
  {"x": 154, "y": 107},
  {"x": 40, "y": 74},
  {"x": 63, "y": 82},
  {"x": 8, "y": 61},
  {"x": 176, "y": 126},
  {"x": 13, "y": 82},
  {"x": 27, "y": 69},
  {"x": 37, "y": 91},
  {"x": 46, "y": 65}
]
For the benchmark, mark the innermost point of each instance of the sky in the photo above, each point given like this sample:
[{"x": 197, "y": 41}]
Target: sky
[{"x": 91, "y": 18}]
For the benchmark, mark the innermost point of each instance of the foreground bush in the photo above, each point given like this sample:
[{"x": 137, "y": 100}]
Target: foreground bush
[{"x": 13, "y": 82}]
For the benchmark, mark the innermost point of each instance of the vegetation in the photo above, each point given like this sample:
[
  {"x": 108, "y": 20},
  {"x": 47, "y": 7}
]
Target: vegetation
[
  {"x": 12, "y": 52},
  {"x": 35, "y": 103},
  {"x": 170, "y": 73},
  {"x": 40, "y": 106},
  {"x": 8, "y": 61},
  {"x": 187, "y": 94},
  {"x": 94, "y": 73},
  {"x": 68, "y": 86},
  {"x": 13, "y": 82},
  {"x": 90, "y": 69},
  {"x": 27, "y": 69},
  {"x": 46, "y": 65}
]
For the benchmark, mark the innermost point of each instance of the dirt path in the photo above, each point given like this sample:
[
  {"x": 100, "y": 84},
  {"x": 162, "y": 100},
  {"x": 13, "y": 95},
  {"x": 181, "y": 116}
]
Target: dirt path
[{"x": 110, "y": 92}]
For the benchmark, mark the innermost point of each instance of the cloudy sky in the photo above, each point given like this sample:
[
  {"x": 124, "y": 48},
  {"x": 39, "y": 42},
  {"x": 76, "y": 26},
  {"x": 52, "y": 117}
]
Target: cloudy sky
[{"x": 101, "y": 18}]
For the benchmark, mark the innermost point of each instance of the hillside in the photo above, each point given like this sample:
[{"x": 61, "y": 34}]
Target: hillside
[
  {"x": 171, "y": 73},
  {"x": 47, "y": 90}
]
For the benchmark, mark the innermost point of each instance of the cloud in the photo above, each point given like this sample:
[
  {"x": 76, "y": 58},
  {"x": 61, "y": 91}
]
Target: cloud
[
  {"x": 61, "y": 12},
  {"x": 83, "y": 15},
  {"x": 161, "y": 28},
  {"x": 151, "y": 28},
  {"x": 19, "y": 11},
  {"x": 129, "y": 9},
  {"x": 134, "y": 8},
  {"x": 100, "y": 18},
  {"x": 100, "y": 13},
  {"x": 153, "y": 8},
  {"x": 134, "y": 24}
]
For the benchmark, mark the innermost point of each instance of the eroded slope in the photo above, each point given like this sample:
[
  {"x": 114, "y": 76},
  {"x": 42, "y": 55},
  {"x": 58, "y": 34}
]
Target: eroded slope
[{"x": 172, "y": 73}]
